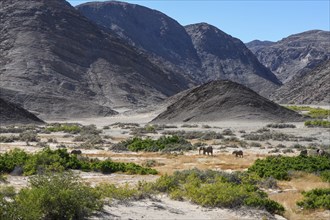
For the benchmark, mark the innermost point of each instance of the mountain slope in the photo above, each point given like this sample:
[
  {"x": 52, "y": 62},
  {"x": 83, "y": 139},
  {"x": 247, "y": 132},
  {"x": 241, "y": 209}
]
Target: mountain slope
[
  {"x": 293, "y": 55},
  {"x": 56, "y": 62},
  {"x": 160, "y": 37},
  {"x": 221, "y": 101},
  {"x": 312, "y": 87},
  {"x": 13, "y": 114},
  {"x": 176, "y": 48},
  {"x": 226, "y": 57}
]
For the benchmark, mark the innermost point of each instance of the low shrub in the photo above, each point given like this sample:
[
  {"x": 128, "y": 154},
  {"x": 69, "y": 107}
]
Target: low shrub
[
  {"x": 215, "y": 189},
  {"x": 276, "y": 136},
  {"x": 318, "y": 123},
  {"x": 201, "y": 135},
  {"x": 325, "y": 175},
  {"x": 166, "y": 144},
  {"x": 189, "y": 126},
  {"x": 280, "y": 125},
  {"x": 228, "y": 132},
  {"x": 316, "y": 199},
  {"x": 53, "y": 196},
  {"x": 279, "y": 166},
  {"x": 72, "y": 128}
]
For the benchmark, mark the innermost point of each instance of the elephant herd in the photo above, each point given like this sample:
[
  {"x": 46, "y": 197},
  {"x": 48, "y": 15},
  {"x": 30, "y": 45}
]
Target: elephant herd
[
  {"x": 209, "y": 151},
  {"x": 319, "y": 152}
]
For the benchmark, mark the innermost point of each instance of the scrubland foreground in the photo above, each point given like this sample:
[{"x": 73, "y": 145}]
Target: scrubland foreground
[{"x": 122, "y": 167}]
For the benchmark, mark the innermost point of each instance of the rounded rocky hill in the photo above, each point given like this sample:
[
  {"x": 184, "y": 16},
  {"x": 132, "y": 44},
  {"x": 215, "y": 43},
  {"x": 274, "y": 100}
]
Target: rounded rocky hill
[
  {"x": 13, "y": 114},
  {"x": 223, "y": 100}
]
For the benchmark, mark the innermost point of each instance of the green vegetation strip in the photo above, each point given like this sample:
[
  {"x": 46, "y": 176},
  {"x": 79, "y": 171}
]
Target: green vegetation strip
[
  {"x": 279, "y": 167},
  {"x": 312, "y": 112},
  {"x": 165, "y": 144},
  {"x": 318, "y": 123},
  {"x": 59, "y": 160}
]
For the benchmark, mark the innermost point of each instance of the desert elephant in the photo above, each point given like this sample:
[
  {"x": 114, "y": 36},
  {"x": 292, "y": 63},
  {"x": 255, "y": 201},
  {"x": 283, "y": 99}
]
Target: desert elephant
[
  {"x": 77, "y": 152},
  {"x": 238, "y": 153},
  {"x": 208, "y": 150}
]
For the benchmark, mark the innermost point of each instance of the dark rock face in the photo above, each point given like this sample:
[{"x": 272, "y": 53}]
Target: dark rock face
[
  {"x": 13, "y": 114},
  {"x": 56, "y": 62},
  {"x": 225, "y": 57},
  {"x": 311, "y": 87},
  {"x": 293, "y": 55},
  {"x": 200, "y": 52},
  {"x": 221, "y": 101},
  {"x": 160, "y": 37}
]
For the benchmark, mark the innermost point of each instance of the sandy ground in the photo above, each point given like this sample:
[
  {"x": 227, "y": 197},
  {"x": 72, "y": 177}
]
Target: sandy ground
[{"x": 163, "y": 208}]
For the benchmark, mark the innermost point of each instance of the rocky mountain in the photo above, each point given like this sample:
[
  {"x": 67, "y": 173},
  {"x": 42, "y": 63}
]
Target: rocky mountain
[
  {"x": 13, "y": 114},
  {"x": 200, "y": 52},
  {"x": 56, "y": 62},
  {"x": 223, "y": 100},
  {"x": 226, "y": 57},
  {"x": 311, "y": 87},
  {"x": 294, "y": 55}
]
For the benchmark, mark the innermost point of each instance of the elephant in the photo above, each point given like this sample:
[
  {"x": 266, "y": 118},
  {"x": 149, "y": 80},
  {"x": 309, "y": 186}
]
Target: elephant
[
  {"x": 208, "y": 150},
  {"x": 320, "y": 152},
  {"x": 77, "y": 152},
  {"x": 238, "y": 153}
]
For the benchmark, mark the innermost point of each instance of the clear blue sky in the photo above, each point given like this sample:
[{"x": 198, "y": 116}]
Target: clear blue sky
[{"x": 246, "y": 20}]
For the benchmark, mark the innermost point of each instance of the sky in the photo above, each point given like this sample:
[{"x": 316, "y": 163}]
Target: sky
[{"x": 245, "y": 19}]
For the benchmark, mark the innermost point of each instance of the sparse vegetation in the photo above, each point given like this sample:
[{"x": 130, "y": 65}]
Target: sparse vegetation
[
  {"x": 189, "y": 126},
  {"x": 66, "y": 127},
  {"x": 316, "y": 199},
  {"x": 311, "y": 112},
  {"x": 279, "y": 166},
  {"x": 206, "y": 135},
  {"x": 125, "y": 125},
  {"x": 276, "y": 136},
  {"x": 215, "y": 189},
  {"x": 318, "y": 123},
  {"x": 60, "y": 160},
  {"x": 280, "y": 125}
]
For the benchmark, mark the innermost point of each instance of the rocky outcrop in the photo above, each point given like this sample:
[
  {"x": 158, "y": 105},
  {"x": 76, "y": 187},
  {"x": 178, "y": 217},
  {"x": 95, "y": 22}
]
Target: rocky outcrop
[
  {"x": 294, "y": 55},
  {"x": 199, "y": 52},
  {"x": 311, "y": 87},
  {"x": 224, "y": 101},
  {"x": 13, "y": 114},
  {"x": 56, "y": 62}
]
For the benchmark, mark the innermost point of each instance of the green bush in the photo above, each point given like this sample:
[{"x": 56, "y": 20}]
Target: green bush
[
  {"x": 54, "y": 196},
  {"x": 170, "y": 143},
  {"x": 11, "y": 159},
  {"x": 316, "y": 199},
  {"x": 215, "y": 189},
  {"x": 66, "y": 127},
  {"x": 280, "y": 125},
  {"x": 325, "y": 175},
  {"x": 279, "y": 166},
  {"x": 318, "y": 123},
  {"x": 28, "y": 136}
]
